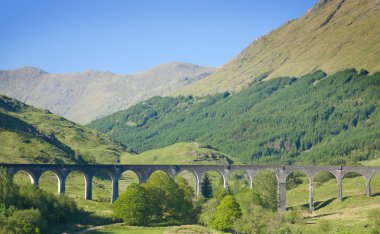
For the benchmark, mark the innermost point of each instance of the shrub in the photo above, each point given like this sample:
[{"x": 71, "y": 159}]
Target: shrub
[
  {"x": 132, "y": 206},
  {"x": 226, "y": 214}
]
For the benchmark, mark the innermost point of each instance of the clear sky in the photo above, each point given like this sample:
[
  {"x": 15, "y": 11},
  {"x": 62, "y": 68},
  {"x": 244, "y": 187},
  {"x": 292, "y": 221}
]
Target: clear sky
[{"x": 128, "y": 36}]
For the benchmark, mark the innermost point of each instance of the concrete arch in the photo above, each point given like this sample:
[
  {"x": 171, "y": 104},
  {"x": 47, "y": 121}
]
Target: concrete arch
[
  {"x": 240, "y": 177},
  {"x": 60, "y": 179},
  {"x": 305, "y": 193},
  {"x": 338, "y": 180},
  {"x": 222, "y": 174},
  {"x": 87, "y": 182},
  {"x": 124, "y": 179},
  {"x": 194, "y": 182},
  {"x": 33, "y": 178},
  {"x": 366, "y": 180}
]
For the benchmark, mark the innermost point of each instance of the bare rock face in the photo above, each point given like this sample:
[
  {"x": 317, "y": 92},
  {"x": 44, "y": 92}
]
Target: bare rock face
[{"x": 88, "y": 95}]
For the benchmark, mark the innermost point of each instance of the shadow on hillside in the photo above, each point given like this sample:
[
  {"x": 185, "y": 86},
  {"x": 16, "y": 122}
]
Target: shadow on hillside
[
  {"x": 375, "y": 194},
  {"x": 320, "y": 204}
]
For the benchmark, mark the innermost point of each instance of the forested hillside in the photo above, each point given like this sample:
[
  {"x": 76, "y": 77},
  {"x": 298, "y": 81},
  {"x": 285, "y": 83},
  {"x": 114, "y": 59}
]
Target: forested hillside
[
  {"x": 319, "y": 119},
  {"x": 29, "y": 135}
]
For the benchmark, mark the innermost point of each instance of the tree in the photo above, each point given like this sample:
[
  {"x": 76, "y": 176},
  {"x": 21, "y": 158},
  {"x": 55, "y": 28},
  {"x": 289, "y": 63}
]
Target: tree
[
  {"x": 8, "y": 190},
  {"x": 208, "y": 211},
  {"x": 186, "y": 188},
  {"x": 132, "y": 206},
  {"x": 226, "y": 214},
  {"x": 206, "y": 187},
  {"x": 266, "y": 187},
  {"x": 166, "y": 199}
]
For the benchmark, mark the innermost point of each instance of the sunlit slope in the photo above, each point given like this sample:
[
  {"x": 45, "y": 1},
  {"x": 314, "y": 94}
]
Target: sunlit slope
[
  {"x": 29, "y": 135},
  {"x": 316, "y": 119},
  {"x": 180, "y": 153},
  {"x": 333, "y": 35}
]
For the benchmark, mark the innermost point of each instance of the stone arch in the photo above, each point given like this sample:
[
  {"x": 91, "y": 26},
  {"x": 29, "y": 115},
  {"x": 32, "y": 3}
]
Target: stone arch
[
  {"x": 46, "y": 179},
  {"x": 19, "y": 173},
  {"x": 167, "y": 172},
  {"x": 128, "y": 177},
  {"x": 218, "y": 180},
  {"x": 192, "y": 178},
  {"x": 298, "y": 188},
  {"x": 323, "y": 197},
  {"x": 240, "y": 180},
  {"x": 76, "y": 185},
  {"x": 272, "y": 192},
  {"x": 356, "y": 185},
  {"x": 103, "y": 183}
]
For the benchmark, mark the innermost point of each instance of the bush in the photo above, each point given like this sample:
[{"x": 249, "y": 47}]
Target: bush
[
  {"x": 226, "y": 214},
  {"x": 265, "y": 185},
  {"x": 132, "y": 206}
]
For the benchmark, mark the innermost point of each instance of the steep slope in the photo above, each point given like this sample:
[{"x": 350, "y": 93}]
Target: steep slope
[
  {"x": 85, "y": 96},
  {"x": 314, "y": 119},
  {"x": 333, "y": 35},
  {"x": 180, "y": 153},
  {"x": 32, "y": 135}
]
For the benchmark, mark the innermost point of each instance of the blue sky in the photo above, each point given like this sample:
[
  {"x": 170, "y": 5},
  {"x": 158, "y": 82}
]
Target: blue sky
[{"x": 129, "y": 36}]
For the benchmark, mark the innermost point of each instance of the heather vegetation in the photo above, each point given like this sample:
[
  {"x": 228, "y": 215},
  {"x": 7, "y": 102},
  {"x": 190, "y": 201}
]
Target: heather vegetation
[{"x": 316, "y": 119}]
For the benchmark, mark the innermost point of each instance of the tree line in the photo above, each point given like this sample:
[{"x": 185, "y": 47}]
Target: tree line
[{"x": 315, "y": 119}]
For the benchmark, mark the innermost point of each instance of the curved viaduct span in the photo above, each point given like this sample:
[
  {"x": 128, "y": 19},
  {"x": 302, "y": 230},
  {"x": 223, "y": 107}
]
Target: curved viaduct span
[{"x": 144, "y": 171}]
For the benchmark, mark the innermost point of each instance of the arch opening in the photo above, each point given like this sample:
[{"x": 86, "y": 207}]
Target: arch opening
[
  {"x": 375, "y": 184},
  {"x": 126, "y": 178},
  {"x": 353, "y": 184},
  {"x": 212, "y": 183},
  {"x": 265, "y": 186},
  {"x": 325, "y": 189},
  {"x": 101, "y": 186},
  {"x": 298, "y": 189},
  {"x": 75, "y": 184},
  {"x": 23, "y": 177},
  {"x": 49, "y": 182},
  {"x": 239, "y": 181},
  {"x": 191, "y": 180}
]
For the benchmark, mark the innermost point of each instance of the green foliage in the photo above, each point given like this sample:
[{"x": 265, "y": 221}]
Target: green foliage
[
  {"x": 265, "y": 185},
  {"x": 159, "y": 199},
  {"x": 208, "y": 211},
  {"x": 33, "y": 135},
  {"x": 132, "y": 206},
  {"x": 186, "y": 188},
  {"x": 226, "y": 214},
  {"x": 206, "y": 187},
  {"x": 26, "y": 209},
  {"x": 317, "y": 119},
  {"x": 8, "y": 189}
]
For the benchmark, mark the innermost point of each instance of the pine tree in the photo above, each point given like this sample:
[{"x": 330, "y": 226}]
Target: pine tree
[{"x": 206, "y": 187}]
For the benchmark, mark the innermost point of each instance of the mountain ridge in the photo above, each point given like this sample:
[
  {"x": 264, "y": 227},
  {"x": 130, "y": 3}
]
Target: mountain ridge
[
  {"x": 333, "y": 35},
  {"x": 87, "y": 95}
]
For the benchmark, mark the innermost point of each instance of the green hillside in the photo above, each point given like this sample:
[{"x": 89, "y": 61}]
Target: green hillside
[
  {"x": 29, "y": 135},
  {"x": 318, "y": 119},
  {"x": 333, "y": 35},
  {"x": 180, "y": 153}
]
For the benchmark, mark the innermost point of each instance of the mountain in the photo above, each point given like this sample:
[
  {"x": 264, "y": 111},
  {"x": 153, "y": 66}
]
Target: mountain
[
  {"x": 333, "y": 35},
  {"x": 33, "y": 135},
  {"x": 85, "y": 96},
  {"x": 316, "y": 119}
]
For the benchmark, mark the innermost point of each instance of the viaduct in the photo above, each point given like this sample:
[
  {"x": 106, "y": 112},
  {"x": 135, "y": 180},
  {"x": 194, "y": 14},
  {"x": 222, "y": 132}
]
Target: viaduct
[{"x": 144, "y": 171}]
